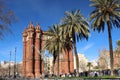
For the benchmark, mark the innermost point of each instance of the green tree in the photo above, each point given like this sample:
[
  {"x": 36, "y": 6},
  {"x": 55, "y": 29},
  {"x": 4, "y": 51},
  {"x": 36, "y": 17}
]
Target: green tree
[
  {"x": 76, "y": 27},
  {"x": 118, "y": 47},
  {"x": 106, "y": 11},
  {"x": 118, "y": 43},
  {"x": 89, "y": 65},
  {"x": 7, "y": 17}
]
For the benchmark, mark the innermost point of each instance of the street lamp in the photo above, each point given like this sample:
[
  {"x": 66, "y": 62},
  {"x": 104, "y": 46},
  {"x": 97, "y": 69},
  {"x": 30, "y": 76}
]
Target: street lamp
[
  {"x": 15, "y": 64},
  {"x": 9, "y": 64}
]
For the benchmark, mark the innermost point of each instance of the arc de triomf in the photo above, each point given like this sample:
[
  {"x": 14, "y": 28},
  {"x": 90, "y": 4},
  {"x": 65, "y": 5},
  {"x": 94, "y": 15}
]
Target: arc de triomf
[{"x": 33, "y": 65}]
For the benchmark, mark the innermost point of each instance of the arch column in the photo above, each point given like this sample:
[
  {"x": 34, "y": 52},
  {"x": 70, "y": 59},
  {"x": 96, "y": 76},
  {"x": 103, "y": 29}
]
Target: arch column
[
  {"x": 37, "y": 52},
  {"x": 24, "y": 54},
  {"x": 30, "y": 52}
]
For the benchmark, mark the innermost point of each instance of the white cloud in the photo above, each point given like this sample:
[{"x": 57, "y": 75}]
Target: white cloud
[{"x": 87, "y": 47}]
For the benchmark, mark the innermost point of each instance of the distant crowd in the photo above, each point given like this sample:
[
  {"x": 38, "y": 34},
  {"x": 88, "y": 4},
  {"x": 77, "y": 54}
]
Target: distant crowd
[
  {"x": 75, "y": 74},
  {"x": 107, "y": 72}
]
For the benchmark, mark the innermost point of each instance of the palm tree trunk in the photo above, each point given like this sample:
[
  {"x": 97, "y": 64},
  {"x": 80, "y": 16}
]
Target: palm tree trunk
[
  {"x": 76, "y": 57},
  {"x": 110, "y": 47},
  {"x": 58, "y": 59},
  {"x": 58, "y": 65},
  {"x": 68, "y": 62},
  {"x": 89, "y": 68},
  {"x": 53, "y": 67}
]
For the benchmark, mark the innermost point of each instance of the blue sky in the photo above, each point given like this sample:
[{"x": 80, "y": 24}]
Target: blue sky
[{"x": 48, "y": 12}]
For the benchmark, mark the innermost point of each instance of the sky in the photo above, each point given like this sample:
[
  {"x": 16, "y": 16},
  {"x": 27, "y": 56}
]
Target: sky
[{"x": 47, "y": 13}]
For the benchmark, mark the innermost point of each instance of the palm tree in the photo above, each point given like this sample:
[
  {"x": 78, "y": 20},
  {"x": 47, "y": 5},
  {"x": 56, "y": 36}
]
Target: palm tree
[
  {"x": 54, "y": 43},
  {"x": 106, "y": 11},
  {"x": 76, "y": 26},
  {"x": 89, "y": 65}
]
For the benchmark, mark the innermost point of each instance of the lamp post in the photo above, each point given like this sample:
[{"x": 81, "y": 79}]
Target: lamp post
[
  {"x": 9, "y": 64},
  {"x": 15, "y": 64}
]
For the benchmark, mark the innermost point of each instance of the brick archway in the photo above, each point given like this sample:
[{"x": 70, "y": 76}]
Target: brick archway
[{"x": 33, "y": 65}]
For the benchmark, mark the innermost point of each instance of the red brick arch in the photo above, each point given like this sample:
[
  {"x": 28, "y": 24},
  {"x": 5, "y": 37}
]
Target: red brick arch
[{"x": 33, "y": 65}]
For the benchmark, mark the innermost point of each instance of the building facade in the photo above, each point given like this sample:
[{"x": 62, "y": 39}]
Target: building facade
[
  {"x": 82, "y": 62},
  {"x": 33, "y": 60}
]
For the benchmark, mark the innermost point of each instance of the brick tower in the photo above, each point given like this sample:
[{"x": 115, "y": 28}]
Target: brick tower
[
  {"x": 32, "y": 63},
  {"x": 33, "y": 43}
]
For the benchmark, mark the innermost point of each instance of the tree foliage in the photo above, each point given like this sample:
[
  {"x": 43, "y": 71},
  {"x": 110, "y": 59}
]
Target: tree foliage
[
  {"x": 105, "y": 10},
  {"x": 104, "y": 59},
  {"x": 118, "y": 43},
  {"x": 118, "y": 47},
  {"x": 7, "y": 17}
]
